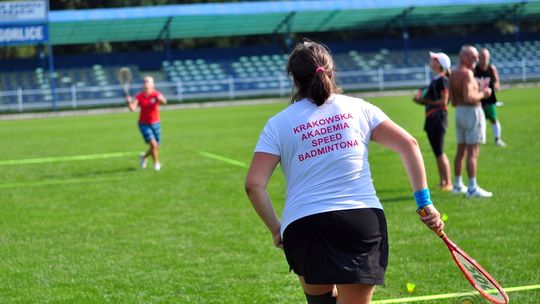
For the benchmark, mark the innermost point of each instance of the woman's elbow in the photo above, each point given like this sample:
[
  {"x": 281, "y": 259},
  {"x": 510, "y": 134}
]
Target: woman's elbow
[
  {"x": 252, "y": 186},
  {"x": 413, "y": 142},
  {"x": 409, "y": 143},
  {"x": 248, "y": 187}
]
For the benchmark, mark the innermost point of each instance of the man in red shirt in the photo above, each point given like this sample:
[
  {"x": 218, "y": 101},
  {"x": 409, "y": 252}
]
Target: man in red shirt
[{"x": 148, "y": 100}]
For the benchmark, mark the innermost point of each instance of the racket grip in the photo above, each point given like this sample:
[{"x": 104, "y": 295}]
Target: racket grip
[{"x": 422, "y": 212}]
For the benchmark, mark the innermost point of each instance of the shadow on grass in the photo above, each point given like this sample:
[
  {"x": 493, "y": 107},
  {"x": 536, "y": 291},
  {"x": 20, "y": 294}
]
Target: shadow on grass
[
  {"x": 84, "y": 177},
  {"x": 97, "y": 173}
]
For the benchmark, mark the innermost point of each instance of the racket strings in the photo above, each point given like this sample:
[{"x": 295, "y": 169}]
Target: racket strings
[
  {"x": 124, "y": 75},
  {"x": 480, "y": 279}
]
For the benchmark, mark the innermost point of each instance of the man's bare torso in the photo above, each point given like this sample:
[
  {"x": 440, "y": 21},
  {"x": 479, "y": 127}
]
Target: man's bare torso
[{"x": 460, "y": 78}]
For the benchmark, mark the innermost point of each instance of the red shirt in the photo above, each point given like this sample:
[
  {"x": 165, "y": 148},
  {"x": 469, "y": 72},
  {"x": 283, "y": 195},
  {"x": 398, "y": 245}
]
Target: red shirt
[{"x": 149, "y": 107}]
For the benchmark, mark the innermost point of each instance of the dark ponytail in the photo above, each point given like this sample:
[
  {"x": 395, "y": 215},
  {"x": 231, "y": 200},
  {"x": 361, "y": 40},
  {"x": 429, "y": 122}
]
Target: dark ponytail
[
  {"x": 312, "y": 70},
  {"x": 447, "y": 72}
]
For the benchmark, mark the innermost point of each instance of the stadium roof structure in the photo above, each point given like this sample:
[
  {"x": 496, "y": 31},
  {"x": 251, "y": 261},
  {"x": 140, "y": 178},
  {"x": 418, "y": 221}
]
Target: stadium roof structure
[{"x": 267, "y": 17}]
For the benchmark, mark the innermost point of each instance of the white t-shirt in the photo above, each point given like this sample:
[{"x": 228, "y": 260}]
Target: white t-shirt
[{"x": 324, "y": 155}]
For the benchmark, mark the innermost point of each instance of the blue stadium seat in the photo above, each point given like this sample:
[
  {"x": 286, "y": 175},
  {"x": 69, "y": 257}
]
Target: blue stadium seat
[{"x": 207, "y": 75}]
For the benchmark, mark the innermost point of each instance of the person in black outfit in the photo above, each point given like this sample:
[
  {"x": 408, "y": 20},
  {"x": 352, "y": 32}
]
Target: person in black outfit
[
  {"x": 486, "y": 74},
  {"x": 435, "y": 99}
]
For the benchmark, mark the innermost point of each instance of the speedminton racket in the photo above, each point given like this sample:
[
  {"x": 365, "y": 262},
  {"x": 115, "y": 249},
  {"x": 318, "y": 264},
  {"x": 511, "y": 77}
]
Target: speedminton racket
[
  {"x": 124, "y": 76},
  {"x": 479, "y": 278}
]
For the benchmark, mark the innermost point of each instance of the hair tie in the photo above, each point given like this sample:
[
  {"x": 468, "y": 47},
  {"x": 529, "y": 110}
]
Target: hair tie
[{"x": 319, "y": 70}]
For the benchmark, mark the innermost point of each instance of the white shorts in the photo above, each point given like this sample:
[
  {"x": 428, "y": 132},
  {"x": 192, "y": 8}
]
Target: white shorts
[{"x": 470, "y": 125}]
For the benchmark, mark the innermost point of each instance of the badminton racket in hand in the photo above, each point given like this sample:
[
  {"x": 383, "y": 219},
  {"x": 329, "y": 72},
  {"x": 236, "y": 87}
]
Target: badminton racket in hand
[{"x": 477, "y": 276}]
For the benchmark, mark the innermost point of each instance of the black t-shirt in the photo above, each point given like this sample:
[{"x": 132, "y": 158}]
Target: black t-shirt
[
  {"x": 479, "y": 73},
  {"x": 434, "y": 90}
]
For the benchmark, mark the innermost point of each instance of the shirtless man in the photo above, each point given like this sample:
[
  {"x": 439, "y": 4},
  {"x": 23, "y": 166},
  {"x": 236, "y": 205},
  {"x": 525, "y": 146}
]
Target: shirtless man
[{"x": 466, "y": 96}]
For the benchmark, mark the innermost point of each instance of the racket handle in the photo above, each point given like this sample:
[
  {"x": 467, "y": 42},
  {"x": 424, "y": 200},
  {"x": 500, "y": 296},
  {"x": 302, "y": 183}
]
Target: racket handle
[{"x": 422, "y": 212}]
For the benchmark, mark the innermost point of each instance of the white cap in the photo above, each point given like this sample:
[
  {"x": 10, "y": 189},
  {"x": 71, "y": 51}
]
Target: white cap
[{"x": 442, "y": 58}]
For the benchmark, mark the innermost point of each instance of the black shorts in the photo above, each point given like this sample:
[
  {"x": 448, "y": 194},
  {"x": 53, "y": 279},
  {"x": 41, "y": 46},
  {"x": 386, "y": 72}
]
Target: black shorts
[
  {"x": 339, "y": 247},
  {"x": 435, "y": 128}
]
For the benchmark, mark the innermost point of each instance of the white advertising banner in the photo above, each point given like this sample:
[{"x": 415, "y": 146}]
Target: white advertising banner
[{"x": 23, "y": 11}]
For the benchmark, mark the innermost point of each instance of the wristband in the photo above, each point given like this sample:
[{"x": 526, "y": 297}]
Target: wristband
[{"x": 422, "y": 198}]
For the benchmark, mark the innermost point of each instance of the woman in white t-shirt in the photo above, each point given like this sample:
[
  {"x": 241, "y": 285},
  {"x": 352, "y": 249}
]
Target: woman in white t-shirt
[{"x": 333, "y": 229}]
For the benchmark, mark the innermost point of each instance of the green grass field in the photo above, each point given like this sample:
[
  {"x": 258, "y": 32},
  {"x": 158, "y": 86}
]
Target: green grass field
[{"x": 104, "y": 231}]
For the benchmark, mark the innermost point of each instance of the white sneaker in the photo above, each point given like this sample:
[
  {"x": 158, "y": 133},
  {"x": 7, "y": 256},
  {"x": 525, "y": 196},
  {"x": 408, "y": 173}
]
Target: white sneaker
[
  {"x": 143, "y": 161},
  {"x": 500, "y": 143},
  {"x": 459, "y": 189},
  {"x": 479, "y": 192},
  {"x": 157, "y": 166}
]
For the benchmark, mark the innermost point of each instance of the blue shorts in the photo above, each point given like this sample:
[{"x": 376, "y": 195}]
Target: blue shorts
[{"x": 150, "y": 131}]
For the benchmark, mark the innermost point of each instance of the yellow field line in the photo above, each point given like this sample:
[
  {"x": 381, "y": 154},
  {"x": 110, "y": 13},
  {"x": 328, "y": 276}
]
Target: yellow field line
[
  {"x": 56, "y": 159},
  {"x": 449, "y": 295},
  {"x": 59, "y": 182},
  {"x": 223, "y": 159}
]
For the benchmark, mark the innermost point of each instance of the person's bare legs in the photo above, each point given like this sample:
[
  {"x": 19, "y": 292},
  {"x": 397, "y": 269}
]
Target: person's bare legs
[
  {"x": 319, "y": 293},
  {"x": 461, "y": 153},
  {"x": 443, "y": 165},
  {"x": 473, "y": 151},
  {"x": 355, "y": 293},
  {"x": 346, "y": 293},
  {"x": 153, "y": 150},
  {"x": 317, "y": 289},
  {"x": 458, "y": 160}
]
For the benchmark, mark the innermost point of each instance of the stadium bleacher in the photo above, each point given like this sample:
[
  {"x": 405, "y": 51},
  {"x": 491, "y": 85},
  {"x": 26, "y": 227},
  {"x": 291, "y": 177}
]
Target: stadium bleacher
[
  {"x": 248, "y": 72},
  {"x": 370, "y": 54},
  {"x": 91, "y": 83},
  {"x": 197, "y": 72}
]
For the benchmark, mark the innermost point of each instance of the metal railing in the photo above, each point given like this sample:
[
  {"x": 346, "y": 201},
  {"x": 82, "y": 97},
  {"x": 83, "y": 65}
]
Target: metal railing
[{"x": 74, "y": 97}]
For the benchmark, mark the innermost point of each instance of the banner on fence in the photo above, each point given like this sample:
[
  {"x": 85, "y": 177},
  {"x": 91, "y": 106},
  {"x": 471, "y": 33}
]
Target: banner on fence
[
  {"x": 23, "y": 34},
  {"x": 23, "y": 22},
  {"x": 23, "y": 11}
]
